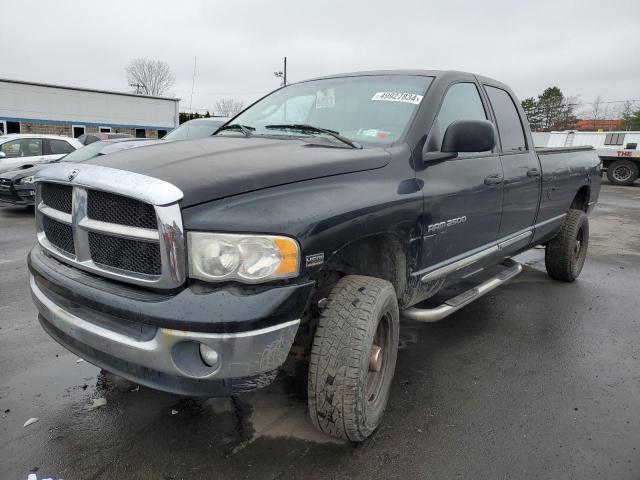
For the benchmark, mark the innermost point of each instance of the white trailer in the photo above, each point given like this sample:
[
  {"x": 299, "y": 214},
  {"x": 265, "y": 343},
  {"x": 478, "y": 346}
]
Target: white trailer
[{"x": 619, "y": 150}]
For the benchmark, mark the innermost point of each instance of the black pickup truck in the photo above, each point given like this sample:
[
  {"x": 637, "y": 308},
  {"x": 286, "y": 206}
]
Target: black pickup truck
[{"x": 304, "y": 228}]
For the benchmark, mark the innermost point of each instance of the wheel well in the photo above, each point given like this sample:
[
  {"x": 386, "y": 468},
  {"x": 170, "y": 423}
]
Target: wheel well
[
  {"x": 581, "y": 200},
  {"x": 381, "y": 256}
]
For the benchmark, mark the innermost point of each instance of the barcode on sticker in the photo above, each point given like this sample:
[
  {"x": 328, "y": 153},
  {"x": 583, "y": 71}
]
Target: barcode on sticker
[{"x": 397, "y": 97}]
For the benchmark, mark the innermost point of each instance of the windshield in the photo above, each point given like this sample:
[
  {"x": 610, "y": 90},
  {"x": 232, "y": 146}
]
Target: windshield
[
  {"x": 191, "y": 130},
  {"x": 85, "y": 153},
  {"x": 366, "y": 109}
]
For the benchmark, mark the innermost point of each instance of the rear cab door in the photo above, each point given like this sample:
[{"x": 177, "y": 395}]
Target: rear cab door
[{"x": 521, "y": 170}]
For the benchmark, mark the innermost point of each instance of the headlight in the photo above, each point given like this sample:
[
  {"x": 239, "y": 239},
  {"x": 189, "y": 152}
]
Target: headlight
[
  {"x": 24, "y": 180},
  {"x": 216, "y": 257}
]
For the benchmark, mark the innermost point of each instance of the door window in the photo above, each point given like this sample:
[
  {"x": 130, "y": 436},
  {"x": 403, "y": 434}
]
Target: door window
[
  {"x": 461, "y": 102},
  {"x": 24, "y": 147},
  {"x": 59, "y": 147},
  {"x": 509, "y": 124},
  {"x": 141, "y": 133}
]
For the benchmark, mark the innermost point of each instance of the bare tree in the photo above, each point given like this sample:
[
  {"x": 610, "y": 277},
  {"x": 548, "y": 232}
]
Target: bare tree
[
  {"x": 597, "y": 111},
  {"x": 628, "y": 107},
  {"x": 606, "y": 115},
  {"x": 149, "y": 77},
  {"x": 228, "y": 107}
]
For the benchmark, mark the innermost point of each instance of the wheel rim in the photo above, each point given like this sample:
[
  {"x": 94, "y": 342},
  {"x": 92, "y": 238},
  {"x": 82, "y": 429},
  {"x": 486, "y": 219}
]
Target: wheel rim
[
  {"x": 577, "y": 248},
  {"x": 378, "y": 359},
  {"x": 622, "y": 173}
]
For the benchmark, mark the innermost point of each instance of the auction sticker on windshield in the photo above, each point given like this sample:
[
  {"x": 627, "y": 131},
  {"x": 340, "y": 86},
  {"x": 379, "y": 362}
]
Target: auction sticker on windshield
[
  {"x": 326, "y": 98},
  {"x": 397, "y": 97}
]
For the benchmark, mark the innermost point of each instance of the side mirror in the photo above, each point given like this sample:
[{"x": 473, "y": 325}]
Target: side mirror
[
  {"x": 463, "y": 136},
  {"x": 469, "y": 136},
  {"x": 3, "y": 155}
]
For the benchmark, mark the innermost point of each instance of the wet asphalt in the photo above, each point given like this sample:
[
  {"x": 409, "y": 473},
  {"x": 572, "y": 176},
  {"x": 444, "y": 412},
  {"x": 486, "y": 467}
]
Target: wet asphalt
[{"x": 539, "y": 379}]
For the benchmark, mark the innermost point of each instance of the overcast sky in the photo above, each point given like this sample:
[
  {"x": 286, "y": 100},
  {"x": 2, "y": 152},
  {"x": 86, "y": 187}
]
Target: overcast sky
[{"x": 585, "y": 47}]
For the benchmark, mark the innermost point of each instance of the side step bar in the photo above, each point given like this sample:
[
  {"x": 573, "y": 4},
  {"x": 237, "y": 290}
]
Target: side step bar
[{"x": 465, "y": 298}]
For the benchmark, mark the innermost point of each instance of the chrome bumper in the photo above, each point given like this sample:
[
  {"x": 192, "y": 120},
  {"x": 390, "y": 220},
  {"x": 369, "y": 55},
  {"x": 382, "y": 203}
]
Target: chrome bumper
[{"x": 177, "y": 352}]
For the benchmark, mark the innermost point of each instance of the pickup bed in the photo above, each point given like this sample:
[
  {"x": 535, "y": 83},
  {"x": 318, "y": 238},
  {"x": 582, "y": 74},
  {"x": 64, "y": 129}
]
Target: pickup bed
[{"x": 301, "y": 232}]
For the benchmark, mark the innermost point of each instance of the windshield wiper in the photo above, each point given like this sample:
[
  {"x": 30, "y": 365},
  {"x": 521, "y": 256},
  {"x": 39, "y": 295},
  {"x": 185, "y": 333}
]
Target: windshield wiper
[
  {"x": 311, "y": 129},
  {"x": 246, "y": 129}
]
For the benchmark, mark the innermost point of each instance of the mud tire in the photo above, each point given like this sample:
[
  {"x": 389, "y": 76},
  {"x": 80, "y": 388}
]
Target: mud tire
[
  {"x": 566, "y": 252},
  {"x": 346, "y": 398}
]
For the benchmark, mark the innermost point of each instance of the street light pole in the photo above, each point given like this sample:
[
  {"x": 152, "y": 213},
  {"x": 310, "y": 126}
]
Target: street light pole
[
  {"x": 282, "y": 74},
  {"x": 285, "y": 71}
]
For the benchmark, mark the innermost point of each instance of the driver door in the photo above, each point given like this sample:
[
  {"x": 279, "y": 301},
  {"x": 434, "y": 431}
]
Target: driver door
[{"x": 462, "y": 195}]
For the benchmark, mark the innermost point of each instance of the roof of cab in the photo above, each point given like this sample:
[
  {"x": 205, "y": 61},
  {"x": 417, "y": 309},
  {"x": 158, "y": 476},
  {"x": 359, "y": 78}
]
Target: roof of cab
[{"x": 410, "y": 72}]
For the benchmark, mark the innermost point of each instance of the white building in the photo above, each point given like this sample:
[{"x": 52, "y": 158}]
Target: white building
[{"x": 28, "y": 107}]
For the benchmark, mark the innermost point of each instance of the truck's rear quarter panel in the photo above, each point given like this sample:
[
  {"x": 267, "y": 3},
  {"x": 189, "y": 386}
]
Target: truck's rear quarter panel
[{"x": 566, "y": 173}]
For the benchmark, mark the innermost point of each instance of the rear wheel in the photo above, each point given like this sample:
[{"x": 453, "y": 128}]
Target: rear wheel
[
  {"x": 622, "y": 172},
  {"x": 566, "y": 252},
  {"x": 354, "y": 357}
]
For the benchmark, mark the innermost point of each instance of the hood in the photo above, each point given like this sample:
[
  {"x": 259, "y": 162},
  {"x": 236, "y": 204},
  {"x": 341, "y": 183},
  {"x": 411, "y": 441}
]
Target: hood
[{"x": 216, "y": 167}]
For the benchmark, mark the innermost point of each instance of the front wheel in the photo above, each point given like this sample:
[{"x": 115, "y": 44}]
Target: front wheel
[
  {"x": 353, "y": 357},
  {"x": 566, "y": 252},
  {"x": 622, "y": 172}
]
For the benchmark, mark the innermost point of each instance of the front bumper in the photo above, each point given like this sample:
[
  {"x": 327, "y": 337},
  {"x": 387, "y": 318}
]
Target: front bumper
[
  {"x": 17, "y": 194},
  {"x": 162, "y": 357}
]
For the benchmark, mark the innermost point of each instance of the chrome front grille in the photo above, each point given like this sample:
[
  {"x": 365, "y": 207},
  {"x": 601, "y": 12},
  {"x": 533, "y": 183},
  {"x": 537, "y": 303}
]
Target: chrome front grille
[
  {"x": 125, "y": 253},
  {"x": 59, "y": 234},
  {"x": 107, "y": 207},
  {"x": 57, "y": 196},
  {"x": 113, "y": 223}
]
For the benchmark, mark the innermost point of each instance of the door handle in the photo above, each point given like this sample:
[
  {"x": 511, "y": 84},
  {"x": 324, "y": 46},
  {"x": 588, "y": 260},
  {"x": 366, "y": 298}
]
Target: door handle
[
  {"x": 533, "y": 172},
  {"x": 493, "y": 179}
]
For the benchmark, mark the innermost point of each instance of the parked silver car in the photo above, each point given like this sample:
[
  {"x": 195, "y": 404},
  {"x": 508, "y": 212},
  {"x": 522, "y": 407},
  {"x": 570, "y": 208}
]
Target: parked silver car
[
  {"x": 17, "y": 187},
  {"x": 20, "y": 150}
]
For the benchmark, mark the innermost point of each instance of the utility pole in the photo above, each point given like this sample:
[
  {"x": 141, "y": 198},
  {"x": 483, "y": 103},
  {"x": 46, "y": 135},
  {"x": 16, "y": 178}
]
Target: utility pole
[
  {"x": 137, "y": 86},
  {"x": 283, "y": 73}
]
